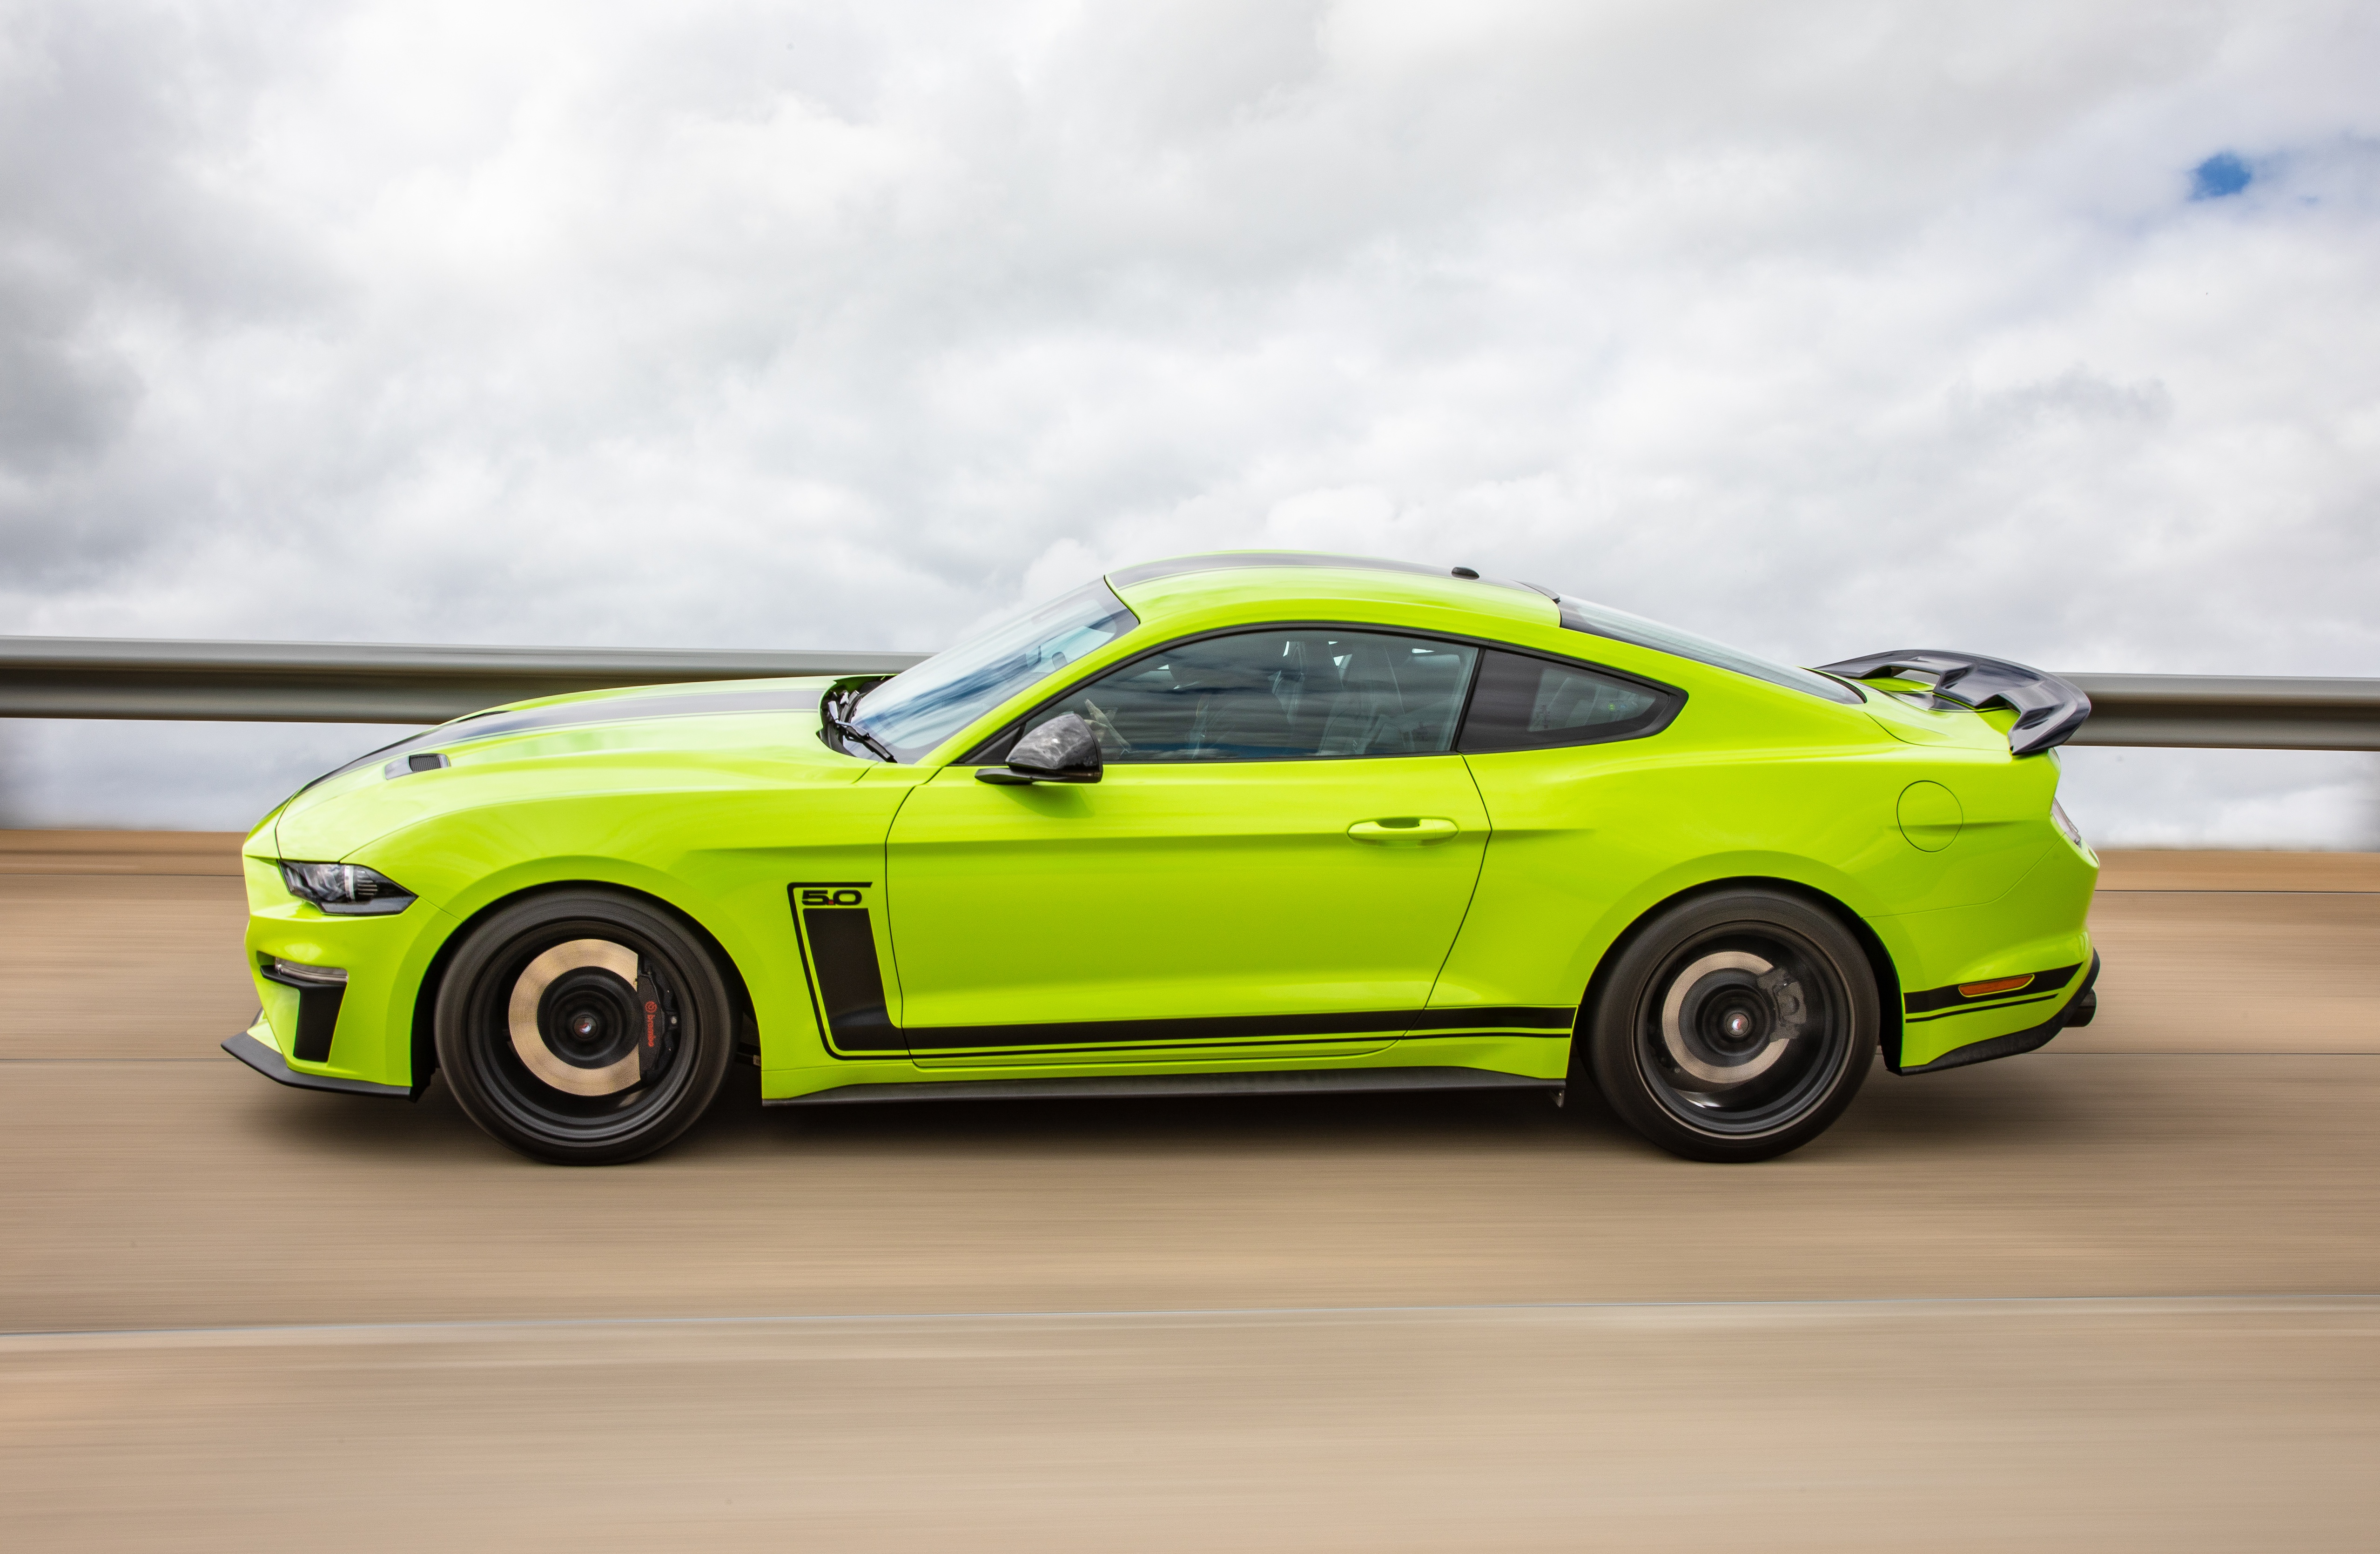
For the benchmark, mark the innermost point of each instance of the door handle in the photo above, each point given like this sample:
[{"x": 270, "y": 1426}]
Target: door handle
[{"x": 1406, "y": 831}]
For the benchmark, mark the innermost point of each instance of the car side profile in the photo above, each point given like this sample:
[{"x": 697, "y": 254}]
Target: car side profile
[{"x": 1245, "y": 822}]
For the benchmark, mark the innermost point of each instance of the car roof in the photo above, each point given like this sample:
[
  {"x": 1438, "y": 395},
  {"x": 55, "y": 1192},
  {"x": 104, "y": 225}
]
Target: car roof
[
  {"x": 1228, "y": 587},
  {"x": 1194, "y": 580},
  {"x": 1238, "y": 561}
]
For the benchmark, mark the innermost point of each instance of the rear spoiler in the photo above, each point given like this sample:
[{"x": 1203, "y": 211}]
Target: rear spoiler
[{"x": 2048, "y": 709}]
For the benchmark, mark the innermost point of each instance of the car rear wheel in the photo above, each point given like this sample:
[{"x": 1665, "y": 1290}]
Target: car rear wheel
[
  {"x": 585, "y": 1028},
  {"x": 1735, "y": 1025}
]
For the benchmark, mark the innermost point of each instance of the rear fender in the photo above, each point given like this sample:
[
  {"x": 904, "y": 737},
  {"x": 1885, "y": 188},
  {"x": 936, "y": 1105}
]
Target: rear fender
[{"x": 1870, "y": 936}]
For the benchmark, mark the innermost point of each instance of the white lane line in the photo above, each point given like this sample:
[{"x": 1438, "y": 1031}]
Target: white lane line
[{"x": 2250, "y": 1301}]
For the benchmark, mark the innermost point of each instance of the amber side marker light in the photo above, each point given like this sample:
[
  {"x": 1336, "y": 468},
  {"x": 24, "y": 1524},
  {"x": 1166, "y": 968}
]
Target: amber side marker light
[{"x": 1996, "y": 985}]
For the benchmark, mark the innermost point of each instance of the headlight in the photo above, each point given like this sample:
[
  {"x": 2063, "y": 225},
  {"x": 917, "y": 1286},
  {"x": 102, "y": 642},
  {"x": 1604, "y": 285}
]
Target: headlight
[
  {"x": 346, "y": 887},
  {"x": 2066, "y": 823}
]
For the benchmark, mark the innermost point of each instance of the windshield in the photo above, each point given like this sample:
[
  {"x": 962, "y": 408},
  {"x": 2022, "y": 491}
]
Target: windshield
[
  {"x": 919, "y": 709},
  {"x": 1621, "y": 626}
]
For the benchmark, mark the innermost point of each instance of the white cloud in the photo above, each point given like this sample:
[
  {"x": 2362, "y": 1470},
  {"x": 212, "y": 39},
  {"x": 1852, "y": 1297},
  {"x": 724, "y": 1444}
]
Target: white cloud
[{"x": 1822, "y": 328}]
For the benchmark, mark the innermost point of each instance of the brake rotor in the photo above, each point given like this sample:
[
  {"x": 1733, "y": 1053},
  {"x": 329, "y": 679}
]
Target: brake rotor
[
  {"x": 1744, "y": 1012},
  {"x": 577, "y": 1018}
]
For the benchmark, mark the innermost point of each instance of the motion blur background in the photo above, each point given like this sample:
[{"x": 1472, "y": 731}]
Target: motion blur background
[
  {"x": 2044, "y": 329},
  {"x": 2041, "y": 328}
]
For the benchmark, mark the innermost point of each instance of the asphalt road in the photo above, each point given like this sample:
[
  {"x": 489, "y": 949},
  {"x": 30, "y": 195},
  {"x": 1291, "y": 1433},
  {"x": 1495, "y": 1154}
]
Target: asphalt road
[{"x": 2122, "y": 1293}]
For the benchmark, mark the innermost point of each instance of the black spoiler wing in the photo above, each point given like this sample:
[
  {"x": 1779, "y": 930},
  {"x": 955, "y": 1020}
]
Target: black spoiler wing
[{"x": 2048, "y": 709}]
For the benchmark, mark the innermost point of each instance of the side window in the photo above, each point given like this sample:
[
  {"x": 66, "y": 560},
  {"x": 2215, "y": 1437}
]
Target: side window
[
  {"x": 1278, "y": 695},
  {"x": 1532, "y": 704}
]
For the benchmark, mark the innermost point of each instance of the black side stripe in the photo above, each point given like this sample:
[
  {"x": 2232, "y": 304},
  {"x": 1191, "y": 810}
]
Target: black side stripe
[
  {"x": 1094, "y": 1053},
  {"x": 1977, "y": 1009},
  {"x": 849, "y": 987},
  {"x": 1950, "y": 998},
  {"x": 1232, "y": 1027}
]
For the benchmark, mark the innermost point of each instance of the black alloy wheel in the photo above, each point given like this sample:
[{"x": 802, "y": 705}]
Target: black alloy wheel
[
  {"x": 583, "y": 1026},
  {"x": 1735, "y": 1025}
]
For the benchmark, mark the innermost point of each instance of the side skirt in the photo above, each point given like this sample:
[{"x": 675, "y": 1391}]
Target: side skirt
[
  {"x": 270, "y": 1064},
  {"x": 1124, "y": 1086}
]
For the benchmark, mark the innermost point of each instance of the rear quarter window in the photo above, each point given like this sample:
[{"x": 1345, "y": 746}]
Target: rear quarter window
[{"x": 1526, "y": 703}]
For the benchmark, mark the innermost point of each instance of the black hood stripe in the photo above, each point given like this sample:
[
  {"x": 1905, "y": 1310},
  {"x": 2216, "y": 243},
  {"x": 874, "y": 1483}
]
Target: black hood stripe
[{"x": 578, "y": 714}]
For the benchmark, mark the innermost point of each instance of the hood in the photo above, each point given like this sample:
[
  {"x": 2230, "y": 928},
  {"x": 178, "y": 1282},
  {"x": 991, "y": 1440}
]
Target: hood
[{"x": 646, "y": 738}]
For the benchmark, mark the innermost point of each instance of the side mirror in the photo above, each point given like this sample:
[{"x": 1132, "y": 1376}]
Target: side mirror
[{"x": 1061, "y": 751}]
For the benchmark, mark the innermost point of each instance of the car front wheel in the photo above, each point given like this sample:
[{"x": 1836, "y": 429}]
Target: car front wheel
[
  {"x": 1735, "y": 1025},
  {"x": 583, "y": 1026}
]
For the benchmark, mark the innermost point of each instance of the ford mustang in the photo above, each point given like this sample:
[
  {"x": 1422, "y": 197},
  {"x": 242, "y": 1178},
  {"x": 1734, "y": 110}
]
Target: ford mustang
[{"x": 1249, "y": 822}]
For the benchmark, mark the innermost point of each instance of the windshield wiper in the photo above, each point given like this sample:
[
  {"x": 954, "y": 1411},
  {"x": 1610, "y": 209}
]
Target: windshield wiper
[{"x": 834, "y": 709}]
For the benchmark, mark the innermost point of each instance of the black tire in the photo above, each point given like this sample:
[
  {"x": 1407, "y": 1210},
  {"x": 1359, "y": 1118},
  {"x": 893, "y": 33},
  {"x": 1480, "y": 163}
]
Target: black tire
[
  {"x": 1735, "y": 1025},
  {"x": 550, "y": 1047}
]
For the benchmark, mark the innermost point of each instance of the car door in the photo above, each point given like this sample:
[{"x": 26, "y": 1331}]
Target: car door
[
  {"x": 1278, "y": 860},
  {"x": 1551, "y": 745}
]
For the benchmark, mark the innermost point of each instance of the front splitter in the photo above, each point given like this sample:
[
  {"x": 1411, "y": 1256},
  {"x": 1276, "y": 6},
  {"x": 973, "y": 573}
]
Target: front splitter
[{"x": 267, "y": 1060}]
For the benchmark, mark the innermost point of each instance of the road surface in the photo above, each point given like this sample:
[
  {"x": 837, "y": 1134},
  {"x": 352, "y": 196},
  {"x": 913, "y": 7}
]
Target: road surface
[{"x": 2122, "y": 1293}]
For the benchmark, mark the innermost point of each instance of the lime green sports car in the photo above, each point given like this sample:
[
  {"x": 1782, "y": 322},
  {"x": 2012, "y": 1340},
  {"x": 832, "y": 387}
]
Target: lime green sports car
[{"x": 1239, "y": 823}]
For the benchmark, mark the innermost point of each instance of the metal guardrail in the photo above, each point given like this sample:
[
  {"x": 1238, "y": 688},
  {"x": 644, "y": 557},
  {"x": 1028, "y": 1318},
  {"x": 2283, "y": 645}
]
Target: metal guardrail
[
  {"x": 2231, "y": 711},
  {"x": 354, "y": 682}
]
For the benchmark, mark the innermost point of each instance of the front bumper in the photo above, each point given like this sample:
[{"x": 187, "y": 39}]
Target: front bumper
[{"x": 361, "y": 1032}]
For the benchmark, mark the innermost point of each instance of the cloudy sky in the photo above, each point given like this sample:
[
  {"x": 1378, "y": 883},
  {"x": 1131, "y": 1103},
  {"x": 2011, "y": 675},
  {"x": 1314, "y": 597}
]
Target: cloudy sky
[{"x": 2046, "y": 330}]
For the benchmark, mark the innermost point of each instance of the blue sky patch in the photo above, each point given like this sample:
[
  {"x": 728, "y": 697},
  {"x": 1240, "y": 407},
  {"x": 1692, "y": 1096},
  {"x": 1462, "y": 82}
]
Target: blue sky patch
[{"x": 2219, "y": 175}]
